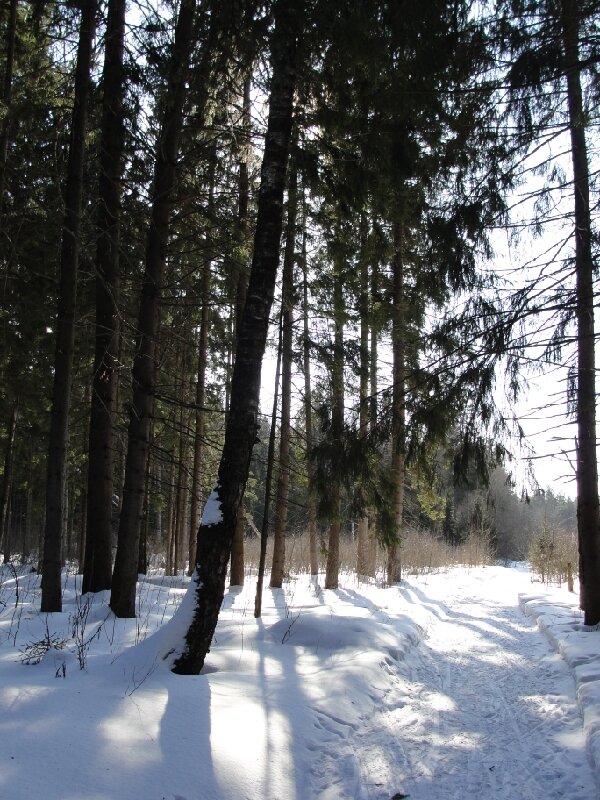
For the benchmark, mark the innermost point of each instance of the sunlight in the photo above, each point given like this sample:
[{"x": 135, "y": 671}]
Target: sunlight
[
  {"x": 132, "y": 732},
  {"x": 15, "y": 698},
  {"x": 238, "y": 730}
]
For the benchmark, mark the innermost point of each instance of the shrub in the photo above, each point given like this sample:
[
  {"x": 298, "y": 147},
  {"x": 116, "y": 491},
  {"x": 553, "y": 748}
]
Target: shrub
[{"x": 550, "y": 553}]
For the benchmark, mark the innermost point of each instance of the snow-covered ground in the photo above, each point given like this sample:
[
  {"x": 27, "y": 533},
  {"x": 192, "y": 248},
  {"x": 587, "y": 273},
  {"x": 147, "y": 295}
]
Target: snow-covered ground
[{"x": 440, "y": 687}]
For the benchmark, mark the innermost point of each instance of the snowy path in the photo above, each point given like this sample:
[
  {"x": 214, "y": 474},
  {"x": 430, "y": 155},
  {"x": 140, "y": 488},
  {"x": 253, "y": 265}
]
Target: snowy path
[
  {"x": 488, "y": 710},
  {"x": 439, "y": 689}
]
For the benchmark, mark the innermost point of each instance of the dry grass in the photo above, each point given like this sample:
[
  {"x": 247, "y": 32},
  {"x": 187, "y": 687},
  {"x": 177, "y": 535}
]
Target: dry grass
[{"x": 421, "y": 553}]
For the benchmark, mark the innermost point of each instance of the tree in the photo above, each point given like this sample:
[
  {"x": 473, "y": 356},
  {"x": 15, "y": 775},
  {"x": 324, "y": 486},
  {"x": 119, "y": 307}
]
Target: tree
[
  {"x": 264, "y": 530},
  {"x": 65, "y": 323},
  {"x": 122, "y": 599},
  {"x": 545, "y": 42},
  {"x": 216, "y": 532},
  {"x": 97, "y": 568},
  {"x": 362, "y": 538},
  {"x": 7, "y": 480},
  {"x": 337, "y": 431},
  {"x": 308, "y": 415},
  {"x": 398, "y": 399},
  {"x": 287, "y": 322},
  {"x": 199, "y": 413},
  {"x": 236, "y": 570},
  {"x": 7, "y": 92},
  {"x": 588, "y": 508}
]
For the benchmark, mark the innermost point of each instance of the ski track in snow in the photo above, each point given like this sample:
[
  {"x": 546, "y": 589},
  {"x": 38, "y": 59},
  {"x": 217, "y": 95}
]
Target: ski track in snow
[
  {"x": 439, "y": 688},
  {"x": 481, "y": 708}
]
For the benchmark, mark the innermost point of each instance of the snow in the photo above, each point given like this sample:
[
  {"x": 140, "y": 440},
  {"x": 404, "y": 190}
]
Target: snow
[
  {"x": 212, "y": 514},
  {"x": 465, "y": 684}
]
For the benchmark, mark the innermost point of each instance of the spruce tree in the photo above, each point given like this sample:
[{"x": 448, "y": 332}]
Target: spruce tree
[
  {"x": 216, "y": 532},
  {"x": 65, "y": 322},
  {"x": 97, "y": 567}
]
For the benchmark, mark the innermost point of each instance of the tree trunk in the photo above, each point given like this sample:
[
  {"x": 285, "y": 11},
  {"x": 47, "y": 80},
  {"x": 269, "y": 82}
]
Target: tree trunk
[
  {"x": 394, "y": 568},
  {"x": 65, "y": 323},
  {"x": 214, "y": 540},
  {"x": 588, "y": 512},
  {"x": 237, "y": 562},
  {"x": 287, "y": 324},
  {"x": 236, "y": 567},
  {"x": 243, "y": 204},
  {"x": 70, "y": 520},
  {"x": 337, "y": 430},
  {"x": 170, "y": 523},
  {"x": 182, "y": 478},
  {"x": 199, "y": 416},
  {"x": 27, "y": 531},
  {"x": 362, "y": 545},
  {"x": 122, "y": 598},
  {"x": 264, "y": 531},
  {"x": 9, "y": 457},
  {"x": 312, "y": 506},
  {"x": 7, "y": 82},
  {"x": 97, "y": 570},
  {"x": 372, "y": 546},
  {"x": 142, "y": 567}
]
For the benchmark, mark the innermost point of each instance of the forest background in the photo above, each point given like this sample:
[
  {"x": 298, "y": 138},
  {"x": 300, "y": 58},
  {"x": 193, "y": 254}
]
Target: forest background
[{"x": 131, "y": 144}]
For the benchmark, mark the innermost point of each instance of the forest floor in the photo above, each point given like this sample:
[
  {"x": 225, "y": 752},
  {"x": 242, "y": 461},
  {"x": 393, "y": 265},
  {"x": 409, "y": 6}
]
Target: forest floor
[{"x": 470, "y": 683}]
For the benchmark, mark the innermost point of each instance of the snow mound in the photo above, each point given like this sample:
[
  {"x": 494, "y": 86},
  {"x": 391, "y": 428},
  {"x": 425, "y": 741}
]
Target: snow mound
[{"x": 579, "y": 646}]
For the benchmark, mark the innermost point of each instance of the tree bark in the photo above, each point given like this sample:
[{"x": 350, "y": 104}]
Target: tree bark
[
  {"x": 199, "y": 415},
  {"x": 588, "y": 510},
  {"x": 337, "y": 430},
  {"x": 287, "y": 323},
  {"x": 65, "y": 323},
  {"x": 264, "y": 530},
  {"x": 142, "y": 567},
  {"x": 243, "y": 205},
  {"x": 171, "y": 520},
  {"x": 9, "y": 457},
  {"x": 122, "y": 599},
  {"x": 362, "y": 545},
  {"x": 182, "y": 478},
  {"x": 97, "y": 572},
  {"x": 394, "y": 567},
  {"x": 7, "y": 85},
  {"x": 311, "y": 502},
  {"x": 236, "y": 567},
  {"x": 214, "y": 540},
  {"x": 373, "y": 406}
]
